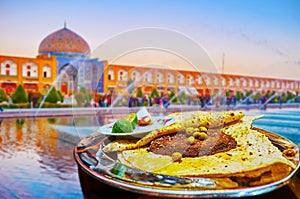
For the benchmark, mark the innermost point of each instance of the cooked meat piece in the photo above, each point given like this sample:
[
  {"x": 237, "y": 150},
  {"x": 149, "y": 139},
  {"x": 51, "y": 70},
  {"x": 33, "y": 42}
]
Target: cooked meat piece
[{"x": 215, "y": 142}]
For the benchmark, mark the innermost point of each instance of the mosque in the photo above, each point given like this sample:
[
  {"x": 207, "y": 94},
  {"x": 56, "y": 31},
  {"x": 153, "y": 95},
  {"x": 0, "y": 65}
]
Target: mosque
[{"x": 64, "y": 61}]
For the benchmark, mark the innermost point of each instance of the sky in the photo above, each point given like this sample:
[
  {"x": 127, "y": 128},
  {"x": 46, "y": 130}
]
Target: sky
[{"x": 246, "y": 37}]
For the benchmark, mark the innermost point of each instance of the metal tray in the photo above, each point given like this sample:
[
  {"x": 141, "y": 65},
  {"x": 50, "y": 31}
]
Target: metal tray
[{"x": 90, "y": 157}]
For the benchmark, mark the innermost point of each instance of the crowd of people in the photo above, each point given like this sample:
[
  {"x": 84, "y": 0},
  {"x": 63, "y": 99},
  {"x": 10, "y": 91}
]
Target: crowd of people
[{"x": 162, "y": 101}]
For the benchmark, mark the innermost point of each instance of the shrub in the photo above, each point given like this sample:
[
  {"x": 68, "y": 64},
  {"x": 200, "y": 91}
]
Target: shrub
[
  {"x": 19, "y": 105},
  {"x": 20, "y": 95},
  {"x": 79, "y": 98},
  {"x": 60, "y": 96},
  {"x": 53, "y": 96},
  {"x": 3, "y": 96}
]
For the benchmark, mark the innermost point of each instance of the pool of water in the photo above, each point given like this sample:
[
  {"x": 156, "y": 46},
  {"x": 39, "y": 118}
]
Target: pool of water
[
  {"x": 36, "y": 155},
  {"x": 36, "y": 162},
  {"x": 282, "y": 122}
]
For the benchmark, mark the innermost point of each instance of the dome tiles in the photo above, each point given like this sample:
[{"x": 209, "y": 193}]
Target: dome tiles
[{"x": 64, "y": 41}]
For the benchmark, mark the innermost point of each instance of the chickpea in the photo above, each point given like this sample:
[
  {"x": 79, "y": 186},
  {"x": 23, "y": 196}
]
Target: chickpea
[
  {"x": 203, "y": 129},
  {"x": 200, "y": 135},
  {"x": 189, "y": 130},
  {"x": 176, "y": 156},
  {"x": 191, "y": 140}
]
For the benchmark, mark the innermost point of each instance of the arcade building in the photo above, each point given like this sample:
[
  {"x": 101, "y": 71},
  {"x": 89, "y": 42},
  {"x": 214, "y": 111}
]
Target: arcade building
[{"x": 64, "y": 61}]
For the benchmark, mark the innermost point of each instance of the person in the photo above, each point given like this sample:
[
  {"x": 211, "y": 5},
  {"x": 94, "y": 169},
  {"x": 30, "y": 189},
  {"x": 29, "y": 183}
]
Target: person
[
  {"x": 130, "y": 102},
  {"x": 280, "y": 102},
  {"x": 108, "y": 99},
  {"x": 1, "y": 109},
  {"x": 104, "y": 100},
  {"x": 165, "y": 101},
  {"x": 150, "y": 101}
]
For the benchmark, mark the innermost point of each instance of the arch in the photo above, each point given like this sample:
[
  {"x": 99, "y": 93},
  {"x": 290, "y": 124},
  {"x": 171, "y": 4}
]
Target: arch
[
  {"x": 46, "y": 71},
  {"x": 29, "y": 69},
  {"x": 171, "y": 78},
  {"x": 180, "y": 78},
  {"x": 122, "y": 75},
  {"x": 148, "y": 76},
  {"x": 111, "y": 74},
  {"x": 68, "y": 79},
  {"x": 159, "y": 77},
  {"x": 199, "y": 80},
  {"x": 8, "y": 68},
  {"x": 135, "y": 76},
  {"x": 190, "y": 79}
]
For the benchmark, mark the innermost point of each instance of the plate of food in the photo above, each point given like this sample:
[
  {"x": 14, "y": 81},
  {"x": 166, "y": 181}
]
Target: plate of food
[
  {"x": 201, "y": 154},
  {"x": 136, "y": 124}
]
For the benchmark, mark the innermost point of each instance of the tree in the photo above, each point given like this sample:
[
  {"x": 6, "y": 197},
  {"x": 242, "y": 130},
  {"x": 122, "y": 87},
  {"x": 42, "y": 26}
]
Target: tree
[
  {"x": 154, "y": 93},
  {"x": 3, "y": 96},
  {"x": 239, "y": 95},
  {"x": 20, "y": 95},
  {"x": 172, "y": 97},
  {"x": 139, "y": 93},
  {"x": 52, "y": 96}
]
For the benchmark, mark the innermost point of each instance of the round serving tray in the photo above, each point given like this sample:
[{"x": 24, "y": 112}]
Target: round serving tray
[{"x": 103, "y": 167}]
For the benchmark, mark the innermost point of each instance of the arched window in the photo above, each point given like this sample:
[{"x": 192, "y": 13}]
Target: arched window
[
  {"x": 180, "y": 78},
  {"x": 136, "y": 76},
  {"x": 190, "y": 79},
  {"x": 199, "y": 80},
  {"x": 216, "y": 81},
  {"x": 230, "y": 81},
  {"x": 111, "y": 75},
  {"x": 268, "y": 84},
  {"x": 46, "y": 71},
  {"x": 244, "y": 82},
  {"x": 30, "y": 69},
  {"x": 171, "y": 78},
  {"x": 223, "y": 81},
  {"x": 122, "y": 75},
  {"x": 159, "y": 77},
  {"x": 207, "y": 80},
  {"x": 148, "y": 76},
  {"x": 262, "y": 83},
  {"x": 251, "y": 82},
  {"x": 256, "y": 83},
  {"x": 8, "y": 68}
]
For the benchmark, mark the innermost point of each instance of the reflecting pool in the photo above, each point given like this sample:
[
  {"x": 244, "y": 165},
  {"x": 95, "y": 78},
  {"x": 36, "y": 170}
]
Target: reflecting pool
[
  {"x": 36, "y": 155},
  {"x": 36, "y": 161}
]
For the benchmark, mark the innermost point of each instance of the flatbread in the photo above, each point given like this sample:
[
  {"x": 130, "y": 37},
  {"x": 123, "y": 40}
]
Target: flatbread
[{"x": 255, "y": 157}]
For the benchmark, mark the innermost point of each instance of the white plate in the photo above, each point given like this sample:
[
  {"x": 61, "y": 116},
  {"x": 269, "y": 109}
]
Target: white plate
[{"x": 158, "y": 122}]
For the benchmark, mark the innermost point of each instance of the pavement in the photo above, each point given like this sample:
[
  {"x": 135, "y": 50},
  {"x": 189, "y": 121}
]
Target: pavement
[{"x": 98, "y": 111}]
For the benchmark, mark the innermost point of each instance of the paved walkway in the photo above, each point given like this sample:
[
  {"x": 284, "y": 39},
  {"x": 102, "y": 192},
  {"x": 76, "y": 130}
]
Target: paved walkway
[{"x": 93, "y": 111}]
